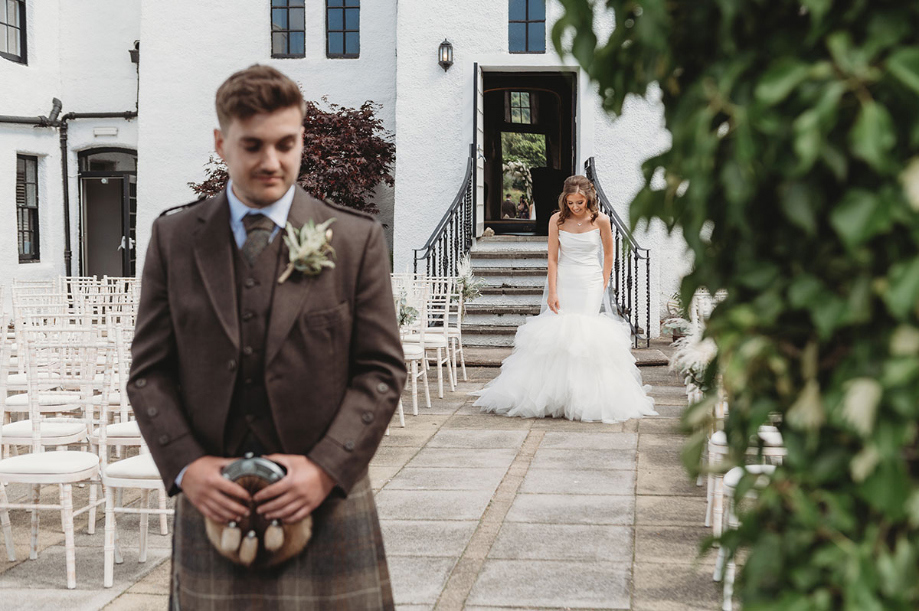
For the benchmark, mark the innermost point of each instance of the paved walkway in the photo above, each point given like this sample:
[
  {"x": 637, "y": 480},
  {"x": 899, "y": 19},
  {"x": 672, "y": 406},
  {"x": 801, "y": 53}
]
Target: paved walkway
[{"x": 478, "y": 512}]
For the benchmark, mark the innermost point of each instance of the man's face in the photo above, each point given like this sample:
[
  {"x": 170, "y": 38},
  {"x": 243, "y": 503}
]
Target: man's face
[{"x": 262, "y": 154}]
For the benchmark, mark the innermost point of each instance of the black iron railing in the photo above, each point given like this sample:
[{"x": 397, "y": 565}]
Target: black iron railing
[
  {"x": 627, "y": 282},
  {"x": 452, "y": 238}
]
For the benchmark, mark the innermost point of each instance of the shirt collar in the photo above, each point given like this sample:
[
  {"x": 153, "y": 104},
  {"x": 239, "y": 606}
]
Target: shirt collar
[{"x": 277, "y": 211}]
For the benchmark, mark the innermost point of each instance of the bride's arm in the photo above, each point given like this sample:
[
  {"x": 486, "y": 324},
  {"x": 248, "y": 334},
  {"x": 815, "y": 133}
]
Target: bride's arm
[
  {"x": 553, "y": 263},
  {"x": 606, "y": 235}
]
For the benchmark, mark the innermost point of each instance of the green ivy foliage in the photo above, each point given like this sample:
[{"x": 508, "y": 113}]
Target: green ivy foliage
[{"x": 795, "y": 125}]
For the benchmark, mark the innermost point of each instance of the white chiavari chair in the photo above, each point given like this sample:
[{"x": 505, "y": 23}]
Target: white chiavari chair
[
  {"x": 71, "y": 354},
  {"x": 413, "y": 288},
  {"x": 436, "y": 328}
]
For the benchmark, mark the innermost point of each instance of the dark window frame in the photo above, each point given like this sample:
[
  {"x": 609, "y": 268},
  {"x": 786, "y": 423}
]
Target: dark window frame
[
  {"x": 22, "y": 58},
  {"x": 521, "y": 107},
  {"x": 31, "y": 212},
  {"x": 288, "y": 6},
  {"x": 527, "y": 21},
  {"x": 343, "y": 6}
]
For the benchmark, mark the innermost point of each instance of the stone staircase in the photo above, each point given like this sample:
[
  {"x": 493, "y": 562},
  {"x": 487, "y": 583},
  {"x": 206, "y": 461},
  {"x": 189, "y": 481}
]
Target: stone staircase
[{"x": 514, "y": 270}]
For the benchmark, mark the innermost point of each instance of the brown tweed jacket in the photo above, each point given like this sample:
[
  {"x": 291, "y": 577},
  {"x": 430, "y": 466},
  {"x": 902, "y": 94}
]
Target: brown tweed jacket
[{"x": 334, "y": 366}]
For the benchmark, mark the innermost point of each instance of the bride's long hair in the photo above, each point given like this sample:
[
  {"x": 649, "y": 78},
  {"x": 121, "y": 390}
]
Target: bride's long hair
[{"x": 578, "y": 184}]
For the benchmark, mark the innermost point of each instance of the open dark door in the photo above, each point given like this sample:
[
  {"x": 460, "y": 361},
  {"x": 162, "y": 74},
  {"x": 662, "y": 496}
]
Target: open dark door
[{"x": 108, "y": 212}]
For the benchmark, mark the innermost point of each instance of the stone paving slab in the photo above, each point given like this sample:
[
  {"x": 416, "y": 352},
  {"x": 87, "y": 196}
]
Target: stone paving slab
[
  {"x": 671, "y": 545},
  {"x": 553, "y": 584},
  {"x": 139, "y": 602},
  {"x": 572, "y": 509},
  {"x": 670, "y": 511},
  {"x": 446, "y": 478},
  {"x": 578, "y": 460},
  {"x": 418, "y": 580},
  {"x": 474, "y": 440},
  {"x": 590, "y": 441},
  {"x": 432, "y": 504},
  {"x": 666, "y": 481},
  {"x": 590, "y": 543},
  {"x": 498, "y": 458},
  {"x": 427, "y": 538},
  {"x": 669, "y": 587},
  {"x": 559, "y": 481}
]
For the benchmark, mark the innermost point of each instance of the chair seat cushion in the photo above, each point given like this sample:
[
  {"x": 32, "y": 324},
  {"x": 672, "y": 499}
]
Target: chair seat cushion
[
  {"x": 120, "y": 430},
  {"x": 48, "y": 463},
  {"x": 49, "y": 429},
  {"x": 49, "y": 400},
  {"x": 114, "y": 398},
  {"x": 732, "y": 477},
  {"x": 136, "y": 467},
  {"x": 412, "y": 351}
]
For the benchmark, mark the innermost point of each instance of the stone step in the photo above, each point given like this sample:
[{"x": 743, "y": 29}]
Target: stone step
[
  {"x": 509, "y": 254},
  {"x": 511, "y": 299},
  {"x": 509, "y": 263},
  {"x": 512, "y": 238},
  {"x": 510, "y": 317},
  {"x": 515, "y": 281},
  {"x": 488, "y": 335},
  {"x": 511, "y": 290},
  {"x": 516, "y": 271},
  {"x": 474, "y": 310}
]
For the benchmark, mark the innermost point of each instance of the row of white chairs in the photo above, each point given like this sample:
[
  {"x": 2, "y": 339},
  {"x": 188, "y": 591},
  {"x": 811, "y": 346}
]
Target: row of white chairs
[{"x": 69, "y": 382}]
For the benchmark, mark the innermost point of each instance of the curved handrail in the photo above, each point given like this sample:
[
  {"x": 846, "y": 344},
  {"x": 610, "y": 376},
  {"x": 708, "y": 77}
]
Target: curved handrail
[{"x": 452, "y": 238}]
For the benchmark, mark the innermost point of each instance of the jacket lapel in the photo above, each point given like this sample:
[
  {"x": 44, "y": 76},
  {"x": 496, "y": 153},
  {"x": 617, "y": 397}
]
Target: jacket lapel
[
  {"x": 292, "y": 295},
  {"x": 214, "y": 257}
]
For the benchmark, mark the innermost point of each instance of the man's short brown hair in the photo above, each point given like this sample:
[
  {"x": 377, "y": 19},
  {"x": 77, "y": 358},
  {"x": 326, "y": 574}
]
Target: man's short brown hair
[{"x": 257, "y": 89}]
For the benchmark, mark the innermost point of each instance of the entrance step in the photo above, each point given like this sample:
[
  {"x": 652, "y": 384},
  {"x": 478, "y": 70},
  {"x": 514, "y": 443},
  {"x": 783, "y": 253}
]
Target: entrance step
[{"x": 511, "y": 290}]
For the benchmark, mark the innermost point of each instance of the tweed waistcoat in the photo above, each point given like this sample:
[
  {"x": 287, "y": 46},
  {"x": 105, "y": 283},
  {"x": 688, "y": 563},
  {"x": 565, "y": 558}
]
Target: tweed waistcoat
[{"x": 250, "y": 425}]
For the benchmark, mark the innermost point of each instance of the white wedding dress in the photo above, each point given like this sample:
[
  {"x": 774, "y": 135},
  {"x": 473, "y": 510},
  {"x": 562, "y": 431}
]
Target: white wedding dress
[{"x": 575, "y": 364}]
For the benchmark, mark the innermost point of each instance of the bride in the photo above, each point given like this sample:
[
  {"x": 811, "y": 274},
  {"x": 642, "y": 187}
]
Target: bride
[{"x": 571, "y": 361}]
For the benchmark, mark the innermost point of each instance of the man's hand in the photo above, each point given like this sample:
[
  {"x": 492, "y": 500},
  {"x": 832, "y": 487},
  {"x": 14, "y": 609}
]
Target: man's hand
[
  {"x": 211, "y": 493},
  {"x": 295, "y": 496}
]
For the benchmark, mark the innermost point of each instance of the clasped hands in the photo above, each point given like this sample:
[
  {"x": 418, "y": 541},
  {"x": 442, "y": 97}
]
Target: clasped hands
[{"x": 290, "y": 499}]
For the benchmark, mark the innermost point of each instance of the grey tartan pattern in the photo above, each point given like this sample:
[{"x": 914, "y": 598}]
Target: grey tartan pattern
[{"x": 258, "y": 234}]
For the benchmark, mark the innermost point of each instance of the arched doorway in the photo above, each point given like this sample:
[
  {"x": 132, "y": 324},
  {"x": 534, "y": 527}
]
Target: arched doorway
[{"x": 108, "y": 211}]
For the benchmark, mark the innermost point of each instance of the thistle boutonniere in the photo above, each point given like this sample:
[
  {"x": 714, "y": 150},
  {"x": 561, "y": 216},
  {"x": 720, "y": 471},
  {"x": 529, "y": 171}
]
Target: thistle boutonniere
[{"x": 309, "y": 248}]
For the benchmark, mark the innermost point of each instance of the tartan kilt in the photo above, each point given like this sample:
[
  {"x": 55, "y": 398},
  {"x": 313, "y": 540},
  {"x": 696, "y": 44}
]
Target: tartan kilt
[{"x": 343, "y": 566}]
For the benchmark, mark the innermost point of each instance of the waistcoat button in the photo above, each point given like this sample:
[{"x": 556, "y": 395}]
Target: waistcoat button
[
  {"x": 247, "y": 351},
  {"x": 349, "y": 446},
  {"x": 152, "y": 411},
  {"x": 231, "y": 365},
  {"x": 367, "y": 417},
  {"x": 164, "y": 439},
  {"x": 249, "y": 283}
]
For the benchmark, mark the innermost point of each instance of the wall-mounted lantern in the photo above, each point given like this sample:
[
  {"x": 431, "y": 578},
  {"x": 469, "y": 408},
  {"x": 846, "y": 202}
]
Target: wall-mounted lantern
[
  {"x": 135, "y": 53},
  {"x": 445, "y": 54}
]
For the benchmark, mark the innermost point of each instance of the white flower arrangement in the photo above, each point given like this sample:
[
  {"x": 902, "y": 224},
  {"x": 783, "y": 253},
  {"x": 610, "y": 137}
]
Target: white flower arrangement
[
  {"x": 470, "y": 285},
  {"x": 310, "y": 249},
  {"x": 407, "y": 313}
]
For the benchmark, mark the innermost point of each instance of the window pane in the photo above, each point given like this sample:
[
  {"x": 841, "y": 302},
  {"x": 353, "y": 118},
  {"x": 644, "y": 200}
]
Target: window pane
[
  {"x": 31, "y": 171},
  {"x": 515, "y": 115},
  {"x": 297, "y": 43},
  {"x": 3, "y": 18},
  {"x": 278, "y": 2},
  {"x": 279, "y": 19},
  {"x": 515, "y": 99},
  {"x": 537, "y": 10},
  {"x": 279, "y": 43},
  {"x": 353, "y": 43},
  {"x": 3, "y": 46},
  {"x": 516, "y": 35},
  {"x": 336, "y": 43},
  {"x": 352, "y": 19},
  {"x": 537, "y": 37},
  {"x": 352, "y": 2},
  {"x": 525, "y": 115},
  {"x": 14, "y": 9},
  {"x": 525, "y": 100},
  {"x": 31, "y": 196},
  {"x": 336, "y": 2},
  {"x": 13, "y": 41},
  {"x": 518, "y": 10},
  {"x": 296, "y": 3},
  {"x": 336, "y": 19},
  {"x": 297, "y": 21}
]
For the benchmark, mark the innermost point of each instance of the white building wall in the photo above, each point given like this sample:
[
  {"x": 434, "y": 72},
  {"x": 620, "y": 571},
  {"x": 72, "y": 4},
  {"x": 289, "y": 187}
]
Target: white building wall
[
  {"x": 190, "y": 48},
  {"x": 78, "y": 53},
  {"x": 434, "y": 119}
]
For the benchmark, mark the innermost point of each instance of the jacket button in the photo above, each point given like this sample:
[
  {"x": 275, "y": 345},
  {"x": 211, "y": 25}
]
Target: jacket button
[
  {"x": 247, "y": 316},
  {"x": 164, "y": 439},
  {"x": 247, "y": 351},
  {"x": 140, "y": 383},
  {"x": 349, "y": 446},
  {"x": 249, "y": 283},
  {"x": 367, "y": 417},
  {"x": 152, "y": 411},
  {"x": 231, "y": 365},
  {"x": 382, "y": 387}
]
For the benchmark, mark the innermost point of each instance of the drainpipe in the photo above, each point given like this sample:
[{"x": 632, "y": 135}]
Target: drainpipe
[{"x": 52, "y": 121}]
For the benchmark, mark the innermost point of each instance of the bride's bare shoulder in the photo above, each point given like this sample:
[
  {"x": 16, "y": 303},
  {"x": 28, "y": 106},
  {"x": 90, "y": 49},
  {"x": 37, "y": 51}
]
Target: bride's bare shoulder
[{"x": 603, "y": 220}]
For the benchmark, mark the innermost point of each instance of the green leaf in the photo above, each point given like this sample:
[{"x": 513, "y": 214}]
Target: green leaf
[
  {"x": 799, "y": 201},
  {"x": 873, "y": 136},
  {"x": 804, "y": 290},
  {"x": 853, "y": 217},
  {"x": 903, "y": 291},
  {"x": 827, "y": 313},
  {"x": 808, "y": 138},
  {"x": 817, "y": 8},
  {"x": 780, "y": 80},
  {"x": 903, "y": 64}
]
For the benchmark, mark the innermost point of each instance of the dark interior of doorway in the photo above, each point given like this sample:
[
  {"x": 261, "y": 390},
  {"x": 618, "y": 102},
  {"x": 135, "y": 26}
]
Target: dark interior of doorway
[{"x": 546, "y": 111}]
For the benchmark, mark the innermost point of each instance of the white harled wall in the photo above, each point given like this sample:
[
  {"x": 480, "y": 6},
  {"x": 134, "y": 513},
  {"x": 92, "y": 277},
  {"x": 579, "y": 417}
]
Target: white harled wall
[
  {"x": 78, "y": 53},
  {"x": 434, "y": 125},
  {"x": 191, "y": 48}
]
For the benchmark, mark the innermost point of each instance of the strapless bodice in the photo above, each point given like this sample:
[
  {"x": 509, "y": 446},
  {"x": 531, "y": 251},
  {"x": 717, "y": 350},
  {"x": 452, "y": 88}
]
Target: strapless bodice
[{"x": 579, "y": 248}]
